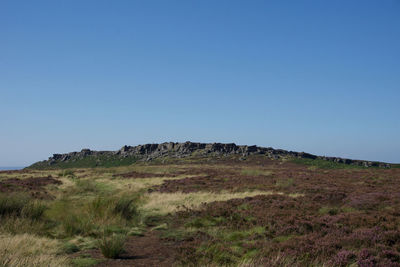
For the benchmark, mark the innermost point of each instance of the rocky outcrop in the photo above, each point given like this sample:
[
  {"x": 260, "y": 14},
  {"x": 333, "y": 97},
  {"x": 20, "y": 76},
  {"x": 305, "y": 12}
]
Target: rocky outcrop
[{"x": 150, "y": 152}]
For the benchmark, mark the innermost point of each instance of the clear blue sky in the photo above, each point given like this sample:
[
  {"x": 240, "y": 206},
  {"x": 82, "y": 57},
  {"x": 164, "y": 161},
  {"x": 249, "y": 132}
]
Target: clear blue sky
[{"x": 315, "y": 76}]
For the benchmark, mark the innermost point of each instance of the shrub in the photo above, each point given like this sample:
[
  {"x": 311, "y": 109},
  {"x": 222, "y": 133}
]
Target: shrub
[
  {"x": 106, "y": 207},
  {"x": 112, "y": 246}
]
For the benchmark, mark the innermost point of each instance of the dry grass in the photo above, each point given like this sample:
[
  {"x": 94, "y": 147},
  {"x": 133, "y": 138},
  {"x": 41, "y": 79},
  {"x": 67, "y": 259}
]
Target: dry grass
[
  {"x": 138, "y": 184},
  {"x": 164, "y": 203},
  {"x": 256, "y": 172},
  {"x": 29, "y": 250},
  {"x": 145, "y": 168},
  {"x": 27, "y": 174}
]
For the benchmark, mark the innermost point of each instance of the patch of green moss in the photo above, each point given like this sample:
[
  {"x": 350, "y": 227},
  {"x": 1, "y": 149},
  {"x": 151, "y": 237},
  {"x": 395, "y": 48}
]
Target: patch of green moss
[{"x": 84, "y": 262}]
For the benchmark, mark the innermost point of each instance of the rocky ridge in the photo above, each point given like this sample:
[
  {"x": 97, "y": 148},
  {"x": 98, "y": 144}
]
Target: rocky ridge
[{"x": 150, "y": 152}]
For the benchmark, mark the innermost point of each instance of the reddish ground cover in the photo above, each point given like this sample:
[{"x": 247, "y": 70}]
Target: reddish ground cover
[
  {"x": 34, "y": 185},
  {"x": 344, "y": 216}
]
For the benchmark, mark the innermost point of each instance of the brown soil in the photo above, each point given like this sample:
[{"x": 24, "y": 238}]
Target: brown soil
[
  {"x": 35, "y": 186},
  {"x": 147, "y": 250}
]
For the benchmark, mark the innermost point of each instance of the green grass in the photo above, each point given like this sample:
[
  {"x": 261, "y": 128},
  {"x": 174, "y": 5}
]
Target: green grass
[
  {"x": 217, "y": 253},
  {"x": 230, "y": 246},
  {"x": 327, "y": 210},
  {"x": 255, "y": 172},
  {"x": 78, "y": 225},
  {"x": 69, "y": 248},
  {"x": 93, "y": 208},
  {"x": 84, "y": 262},
  {"x": 243, "y": 235},
  {"x": 21, "y": 205},
  {"x": 126, "y": 207},
  {"x": 112, "y": 246},
  {"x": 205, "y": 222},
  {"x": 87, "y": 187},
  {"x": 67, "y": 173},
  {"x": 284, "y": 183}
]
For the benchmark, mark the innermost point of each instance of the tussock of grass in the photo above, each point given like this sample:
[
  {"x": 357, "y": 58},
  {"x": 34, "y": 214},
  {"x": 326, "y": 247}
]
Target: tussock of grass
[
  {"x": 69, "y": 248},
  {"x": 29, "y": 250},
  {"x": 88, "y": 217},
  {"x": 21, "y": 214},
  {"x": 83, "y": 243},
  {"x": 126, "y": 207},
  {"x": 164, "y": 203},
  {"x": 20, "y": 205},
  {"x": 87, "y": 186},
  {"x": 112, "y": 246},
  {"x": 19, "y": 225}
]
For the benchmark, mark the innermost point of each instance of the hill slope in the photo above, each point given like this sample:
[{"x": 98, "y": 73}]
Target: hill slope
[{"x": 149, "y": 152}]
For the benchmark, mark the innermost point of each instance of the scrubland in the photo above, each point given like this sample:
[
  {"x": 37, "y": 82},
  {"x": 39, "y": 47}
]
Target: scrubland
[{"x": 205, "y": 212}]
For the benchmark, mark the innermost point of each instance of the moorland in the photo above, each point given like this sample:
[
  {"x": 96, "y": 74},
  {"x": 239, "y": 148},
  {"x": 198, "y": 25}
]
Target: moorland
[{"x": 200, "y": 205}]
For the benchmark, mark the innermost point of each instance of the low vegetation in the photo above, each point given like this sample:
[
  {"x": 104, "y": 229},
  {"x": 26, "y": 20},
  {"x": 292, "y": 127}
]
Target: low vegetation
[
  {"x": 30, "y": 250},
  {"x": 323, "y": 164},
  {"x": 112, "y": 246},
  {"x": 164, "y": 203},
  {"x": 219, "y": 212}
]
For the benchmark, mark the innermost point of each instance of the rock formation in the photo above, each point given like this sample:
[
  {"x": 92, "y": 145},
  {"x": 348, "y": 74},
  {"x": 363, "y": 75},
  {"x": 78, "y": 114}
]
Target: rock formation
[{"x": 150, "y": 152}]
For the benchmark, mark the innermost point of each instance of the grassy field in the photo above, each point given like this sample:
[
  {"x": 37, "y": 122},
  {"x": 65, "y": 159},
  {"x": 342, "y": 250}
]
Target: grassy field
[{"x": 215, "y": 212}]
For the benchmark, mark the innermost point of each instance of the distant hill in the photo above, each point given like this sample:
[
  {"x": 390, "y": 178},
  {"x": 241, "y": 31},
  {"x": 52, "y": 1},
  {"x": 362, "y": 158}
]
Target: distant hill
[
  {"x": 127, "y": 155},
  {"x": 10, "y": 168}
]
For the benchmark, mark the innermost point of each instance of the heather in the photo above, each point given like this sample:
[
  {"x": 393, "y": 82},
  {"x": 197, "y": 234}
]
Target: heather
[{"x": 197, "y": 211}]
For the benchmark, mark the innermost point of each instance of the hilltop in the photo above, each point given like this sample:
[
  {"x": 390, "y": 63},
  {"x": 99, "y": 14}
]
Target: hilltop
[{"x": 187, "y": 150}]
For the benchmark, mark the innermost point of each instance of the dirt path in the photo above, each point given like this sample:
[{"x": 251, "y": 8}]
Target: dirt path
[{"x": 147, "y": 250}]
